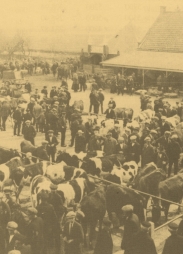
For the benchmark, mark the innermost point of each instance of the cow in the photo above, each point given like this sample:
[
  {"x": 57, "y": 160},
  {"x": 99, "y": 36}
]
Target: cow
[
  {"x": 26, "y": 146},
  {"x": 130, "y": 171},
  {"x": 148, "y": 180},
  {"x": 6, "y": 169},
  {"x": 8, "y": 154},
  {"x": 60, "y": 172},
  {"x": 94, "y": 208},
  {"x": 124, "y": 113},
  {"x": 118, "y": 196},
  {"x": 172, "y": 190},
  {"x": 71, "y": 159}
]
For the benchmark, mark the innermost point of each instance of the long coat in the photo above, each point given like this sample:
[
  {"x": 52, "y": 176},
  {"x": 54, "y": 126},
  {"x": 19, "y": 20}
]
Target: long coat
[
  {"x": 80, "y": 144},
  {"x": 29, "y": 133},
  {"x": 76, "y": 234},
  {"x": 50, "y": 148},
  {"x": 104, "y": 244},
  {"x": 134, "y": 152},
  {"x": 148, "y": 155}
]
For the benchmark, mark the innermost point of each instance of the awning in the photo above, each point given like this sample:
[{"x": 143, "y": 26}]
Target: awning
[{"x": 161, "y": 61}]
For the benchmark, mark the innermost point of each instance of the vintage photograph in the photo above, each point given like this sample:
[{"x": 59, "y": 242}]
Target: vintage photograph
[{"x": 91, "y": 127}]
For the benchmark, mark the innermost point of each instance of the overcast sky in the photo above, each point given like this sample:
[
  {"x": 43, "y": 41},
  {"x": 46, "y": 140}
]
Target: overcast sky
[{"x": 42, "y": 18}]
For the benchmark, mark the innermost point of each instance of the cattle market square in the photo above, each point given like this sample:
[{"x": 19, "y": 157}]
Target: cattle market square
[{"x": 91, "y": 146}]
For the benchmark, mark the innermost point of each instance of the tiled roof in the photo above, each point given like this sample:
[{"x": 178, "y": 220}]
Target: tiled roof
[{"x": 166, "y": 34}]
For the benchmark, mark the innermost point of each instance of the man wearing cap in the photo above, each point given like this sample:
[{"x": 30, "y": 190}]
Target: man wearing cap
[
  {"x": 163, "y": 140},
  {"x": 148, "y": 152},
  {"x": 126, "y": 134},
  {"x": 121, "y": 149},
  {"x": 82, "y": 82},
  {"x": 53, "y": 92},
  {"x": 142, "y": 242},
  {"x": 51, "y": 224},
  {"x": 35, "y": 231},
  {"x": 5, "y": 112},
  {"x": 115, "y": 131},
  {"x": 73, "y": 235},
  {"x": 104, "y": 244},
  {"x": 51, "y": 146},
  {"x": 109, "y": 144},
  {"x": 133, "y": 150},
  {"x": 30, "y": 105},
  {"x": 173, "y": 153},
  {"x": 174, "y": 243},
  {"x": 17, "y": 118},
  {"x": 11, "y": 235},
  {"x": 112, "y": 102},
  {"x": 110, "y": 114},
  {"x": 164, "y": 125},
  {"x": 28, "y": 86},
  {"x": 45, "y": 91},
  {"x": 41, "y": 151},
  {"x": 131, "y": 227},
  {"x": 29, "y": 132},
  {"x": 95, "y": 141},
  {"x": 52, "y": 120},
  {"x": 80, "y": 142},
  {"x": 62, "y": 126},
  {"x": 101, "y": 99},
  {"x": 88, "y": 129}
]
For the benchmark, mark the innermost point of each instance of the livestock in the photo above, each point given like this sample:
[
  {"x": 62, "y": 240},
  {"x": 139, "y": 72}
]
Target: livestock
[
  {"x": 60, "y": 172},
  {"x": 117, "y": 197},
  {"x": 8, "y": 154},
  {"x": 71, "y": 159},
  {"x": 94, "y": 208}
]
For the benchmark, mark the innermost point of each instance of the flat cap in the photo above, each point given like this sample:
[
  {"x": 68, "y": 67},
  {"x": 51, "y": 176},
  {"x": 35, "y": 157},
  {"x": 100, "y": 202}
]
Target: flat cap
[
  {"x": 12, "y": 225},
  {"x": 28, "y": 121},
  {"x": 163, "y": 118},
  {"x": 167, "y": 132},
  {"x": 153, "y": 132},
  {"x": 14, "y": 252},
  {"x": 133, "y": 137},
  {"x": 32, "y": 210},
  {"x": 147, "y": 139},
  {"x": 127, "y": 208},
  {"x": 44, "y": 142},
  {"x": 109, "y": 134},
  {"x": 172, "y": 226},
  {"x": 120, "y": 139},
  {"x": 146, "y": 224},
  {"x": 53, "y": 186},
  {"x": 70, "y": 214},
  {"x": 174, "y": 136},
  {"x": 50, "y": 131},
  {"x": 80, "y": 131}
]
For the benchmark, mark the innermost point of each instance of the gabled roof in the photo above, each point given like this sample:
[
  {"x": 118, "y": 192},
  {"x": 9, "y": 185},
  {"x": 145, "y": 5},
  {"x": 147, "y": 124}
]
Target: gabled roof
[{"x": 166, "y": 34}]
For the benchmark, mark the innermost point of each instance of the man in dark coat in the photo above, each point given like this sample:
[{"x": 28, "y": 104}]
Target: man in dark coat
[
  {"x": 53, "y": 92},
  {"x": 80, "y": 142},
  {"x": 110, "y": 114},
  {"x": 134, "y": 150},
  {"x": 35, "y": 231},
  {"x": 11, "y": 235},
  {"x": 88, "y": 129},
  {"x": 163, "y": 140},
  {"x": 148, "y": 152},
  {"x": 29, "y": 132},
  {"x": 142, "y": 242},
  {"x": 104, "y": 244},
  {"x": 52, "y": 143},
  {"x": 28, "y": 86},
  {"x": 112, "y": 102},
  {"x": 73, "y": 235},
  {"x": 101, "y": 99},
  {"x": 17, "y": 118},
  {"x": 45, "y": 91},
  {"x": 51, "y": 232},
  {"x": 62, "y": 127},
  {"x": 5, "y": 112},
  {"x": 52, "y": 121},
  {"x": 173, "y": 153},
  {"x": 131, "y": 227},
  {"x": 82, "y": 82},
  {"x": 164, "y": 126},
  {"x": 174, "y": 243}
]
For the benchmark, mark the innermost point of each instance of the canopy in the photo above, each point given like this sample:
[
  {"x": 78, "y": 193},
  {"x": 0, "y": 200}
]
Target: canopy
[{"x": 150, "y": 60}]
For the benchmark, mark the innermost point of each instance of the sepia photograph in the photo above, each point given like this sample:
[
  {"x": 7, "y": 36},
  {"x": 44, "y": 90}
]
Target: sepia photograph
[{"x": 91, "y": 127}]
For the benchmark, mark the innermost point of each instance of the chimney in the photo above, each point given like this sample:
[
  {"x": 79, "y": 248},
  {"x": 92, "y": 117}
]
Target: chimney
[{"x": 162, "y": 9}]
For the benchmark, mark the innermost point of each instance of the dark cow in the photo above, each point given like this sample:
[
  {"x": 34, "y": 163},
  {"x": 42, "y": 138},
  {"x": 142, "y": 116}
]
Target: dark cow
[
  {"x": 70, "y": 160},
  {"x": 124, "y": 113},
  {"x": 8, "y": 154},
  {"x": 172, "y": 190},
  {"x": 26, "y": 146},
  {"x": 94, "y": 207},
  {"x": 148, "y": 179},
  {"x": 117, "y": 197}
]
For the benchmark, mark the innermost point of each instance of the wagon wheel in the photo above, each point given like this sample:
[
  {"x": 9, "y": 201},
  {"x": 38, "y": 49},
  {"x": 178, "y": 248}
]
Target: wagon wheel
[{"x": 19, "y": 86}]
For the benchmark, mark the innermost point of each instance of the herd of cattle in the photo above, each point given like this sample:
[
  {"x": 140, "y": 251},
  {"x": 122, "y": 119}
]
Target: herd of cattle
[{"x": 78, "y": 178}]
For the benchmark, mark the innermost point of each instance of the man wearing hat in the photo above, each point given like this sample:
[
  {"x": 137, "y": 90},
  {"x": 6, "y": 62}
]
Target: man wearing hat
[
  {"x": 11, "y": 235},
  {"x": 142, "y": 242},
  {"x": 131, "y": 227},
  {"x": 53, "y": 92},
  {"x": 115, "y": 131},
  {"x": 174, "y": 243},
  {"x": 133, "y": 150},
  {"x": 28, "y": 86},
  {"x": 45, "y": 91},
  {"x": 95, "y": 141},
  {"x": 112, "y": 102},
  {"x": 80, "y": 142},
  {"x": 26, "y": 116},
  {"x": 164, "y": 140},
  {"x": 41, "y": 151},
  {"x": 82, "y": 82},
  {"x": 30, "y": 105},
  {"x": 73, "y": 235},
  {"x": 101, "y": 99},
  {"x": 109, "y": 144},
  {"x": 104, "y": 244},
  {"x": 173, "y": 153},
  {"x": 29, "y": 132},
  {"x": 35, "y": 231},
  {"x": 88, "y": 129},
  {"x": 121, "y": 149},
  {"x": 51, "y": 146},
  {"x": 164, "y": 125},
  {"x": 51, "y": 224},
  {"x": 110, "y": 114},
  {"x": 62, "y": 126},
  {"x": 17, "y": 118},
  {"x": 148, "y": 152}
]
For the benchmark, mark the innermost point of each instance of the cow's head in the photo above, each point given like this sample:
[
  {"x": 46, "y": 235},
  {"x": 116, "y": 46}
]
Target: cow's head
[{"x": 130, "y": 171}]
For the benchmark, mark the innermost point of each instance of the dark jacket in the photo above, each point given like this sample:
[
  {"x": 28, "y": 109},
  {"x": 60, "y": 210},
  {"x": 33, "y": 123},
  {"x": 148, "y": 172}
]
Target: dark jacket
[
  {"x": 173, "y": 150},
  {"x": 5, "y": 109},
  {"x": 42, "y": 153},
  {"x": 164, "y": 127},
  {"x": 148, "y": 155},
  {"x": 29, "y": 132},
  {"x": 101, "y": 97},
  {"x": 121, "y": 150},
  {"x": 50, "y": 143},
  {"x": 35, "y": 231},
  {"x": 10, "y": 245},
  {"x": 131, "y": 227},
  {"x": 134, "y": 152},
  {"x": 80, "y": 144},
  {"x": 17, "y": 115},
  {"x": 76, "y": 235},
  {"x": 110, "y": 114},
  {"x": 104, "y": 244},
  {"x": 113, "y": 104},
  {"x": 143, "y": 244},
  {"x": 53, "y": 93},
  {"x": 173, "y": 245}
]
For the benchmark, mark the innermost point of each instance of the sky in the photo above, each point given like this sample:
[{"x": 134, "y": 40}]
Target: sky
[{"x": 51, "y": 22}]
